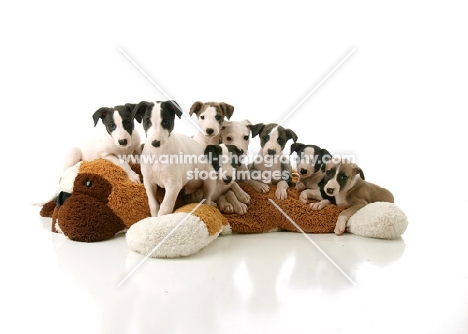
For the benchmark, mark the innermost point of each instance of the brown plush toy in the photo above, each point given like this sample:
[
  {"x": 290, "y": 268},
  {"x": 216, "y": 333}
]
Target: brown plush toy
[{"x": 96, "y": 200}]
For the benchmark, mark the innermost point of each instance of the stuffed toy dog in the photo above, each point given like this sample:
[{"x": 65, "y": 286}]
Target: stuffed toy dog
[{"x": 96, "y": 201}]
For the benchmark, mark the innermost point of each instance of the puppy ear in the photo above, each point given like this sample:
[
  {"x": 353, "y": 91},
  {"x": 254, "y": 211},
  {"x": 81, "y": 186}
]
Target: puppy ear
[
  {"x": 173, "y": 106},
  {"x": 100, "y": 114},
  {"x": 195, "y": 108},
  {"x": 140, "y": 109},
  {"x": 256, "y": 129},
  {"x": 227, "y": 109},
  {"x": 291, "y": 135},
  {"x": 212, "y": 153},
  {"x": 296, "y": 147},
  {"x": 130, "y": 107},
  {"x": 359, "y": 171}
]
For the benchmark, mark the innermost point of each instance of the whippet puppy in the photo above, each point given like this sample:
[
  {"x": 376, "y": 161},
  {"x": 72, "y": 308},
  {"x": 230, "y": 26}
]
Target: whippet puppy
[{"x": 210, "y": 116}]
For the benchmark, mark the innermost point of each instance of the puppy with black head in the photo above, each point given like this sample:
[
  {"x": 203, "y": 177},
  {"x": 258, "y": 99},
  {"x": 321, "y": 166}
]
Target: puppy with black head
[
  {"x": 311, "y": 169},
  {"x": 210, "y": 116},
  {"x": 116, "y": 137},
  {"x": 162, "y": 145},
  {"x": 229, "y": 197},
  {"x": 345, "y": 181},
  {"x": 273, "y": 167}
]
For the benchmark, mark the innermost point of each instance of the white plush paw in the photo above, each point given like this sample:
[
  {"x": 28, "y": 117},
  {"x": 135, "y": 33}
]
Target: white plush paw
[
  {"x": 340, "y": 226},
  {"x": 281, "y": 194},
  {"x": 303, "y": 197}
]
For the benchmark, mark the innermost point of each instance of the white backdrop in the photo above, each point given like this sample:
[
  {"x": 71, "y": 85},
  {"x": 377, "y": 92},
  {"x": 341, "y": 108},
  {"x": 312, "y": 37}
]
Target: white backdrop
[{"x": 396, "y": 102}]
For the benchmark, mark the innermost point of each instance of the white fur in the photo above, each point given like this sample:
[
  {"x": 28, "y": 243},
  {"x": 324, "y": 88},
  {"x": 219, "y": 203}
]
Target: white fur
[
  {"x": 171, "y": 177},
  {"x": 105, "y": 146}
]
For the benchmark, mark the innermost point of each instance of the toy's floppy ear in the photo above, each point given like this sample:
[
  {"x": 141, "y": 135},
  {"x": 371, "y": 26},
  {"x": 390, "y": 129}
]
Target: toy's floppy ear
[
  {"x": 140, "y": 109},
  {"x": 227, "y": 109},
  {"x": 256, "y": 129},
  {"x": 173, "y": 107},
  {"x": 100, "y": 114},
  {"x": 291, "y": 135}
]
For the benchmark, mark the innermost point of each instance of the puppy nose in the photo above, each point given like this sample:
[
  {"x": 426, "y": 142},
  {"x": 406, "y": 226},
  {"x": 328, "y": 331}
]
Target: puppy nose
[
  {"x": 61, "y": 198},
  {"x": 227, "y": 179},
  {"x": 330, "y": 190},
  {"x": 271, "y": 152},
  {"x": 156, "y": 143},
  {"x": 123, "y": 142},
  {"x": 303, "y": 171},
  {"x": 209, "y": 131}
]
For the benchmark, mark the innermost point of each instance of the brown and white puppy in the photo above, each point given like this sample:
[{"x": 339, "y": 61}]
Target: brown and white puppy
[
  {"x": 345, "y": 181},
  {"x": 311, "y": 169},
  {"x": 223, "y": 161},
  {"x": 273, "y": 167},
  {"x": 210, "y": 116}
]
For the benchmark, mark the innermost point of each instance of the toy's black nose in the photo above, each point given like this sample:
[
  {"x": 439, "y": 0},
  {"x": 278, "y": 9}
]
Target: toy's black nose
[
  {"x": 209, "y": 131},
  {"x": 123, "y": 142},
  {"x": 303, "y": 171},
  {"x": 61, "y": 198},
  {"x": 271, "y": 152},
  {"x": 227, "y": 179},
  {"x": 330, "y": 190},
  {"x": 156, "y": 143}
]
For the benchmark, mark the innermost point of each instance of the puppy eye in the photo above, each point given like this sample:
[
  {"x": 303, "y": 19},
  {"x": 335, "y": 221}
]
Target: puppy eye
[
  {"x": 112, "y": 126},
  {"x": 202, "y": 117},
  {"x": 280, "y": 141},
  {"x": 343, "y": 177},
  {"x": 147, "y": 123},
  {"x": 328, "y": 172},
  {"x": 218, "y": 118},
  {"x": 165, "y": 122},
  {"x": 229, "y": 138},
  {"x": 265, "y": 137},
  {"x": 246, "y": 137}
]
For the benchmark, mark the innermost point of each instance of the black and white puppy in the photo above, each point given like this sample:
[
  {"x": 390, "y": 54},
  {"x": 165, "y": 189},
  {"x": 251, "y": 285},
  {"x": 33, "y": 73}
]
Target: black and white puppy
[
  {"x": 161, "y": 144},
  {"x": 311, "y": 170},
  {"x": 116, "y": 137},
  {"x": 273, "y": 167},
  {"x": 228, "y": 195},
  {"x": 210, "y": 119}
]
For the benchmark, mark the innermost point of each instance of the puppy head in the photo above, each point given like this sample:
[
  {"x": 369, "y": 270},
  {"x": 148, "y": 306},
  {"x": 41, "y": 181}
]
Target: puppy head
[
  {"x": 158, "y": 120},
  {"x": 341, "y": 176},
  {"x": 224, "y": 159},
  {"x": 118, "y": 122},
  {"x": 273, "y": 137},
  {"x": 211, "y": 116},
  {"x": 236, "y": 133},
  {"x": 310, "y": 158}
]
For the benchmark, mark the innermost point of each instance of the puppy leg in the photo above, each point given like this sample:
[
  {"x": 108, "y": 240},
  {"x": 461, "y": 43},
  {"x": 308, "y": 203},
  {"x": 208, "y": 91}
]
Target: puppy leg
[
  {"x": 209, "y": 186},
  {"x": 134, "y": 177},
  {"x": 224, "y": 206},
  {"x": 241, "y": 195},
  {"x": 168, "y": 203},
  {"x": 281, "y": 192},
  {"x": 310, "y": 194},
  {"x": 239, "y": 208},
  {"x": 340, "y": 226},
  {"x": 151, "y": 190},
  {"x": 319, "y": 205},
  {"x": 300, "y": 186}
]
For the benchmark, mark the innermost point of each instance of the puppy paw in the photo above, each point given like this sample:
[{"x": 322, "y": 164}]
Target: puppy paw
[
  {"x": 211, "y": 203},
  {"x": 303, "y": 197},
  {"x": 340, "y": 226},
  {"x": 240, "y": 208},
  {"x": 134, "y": 177},
  {"x": 261, "y": 187},
  {"x": 243, "y": 197},
  {"x": 226, "y": 208},
  {"x": 281, "y": 194},
  {"x": 319, "y": 205},
  {"x": 300, "y": 186}
]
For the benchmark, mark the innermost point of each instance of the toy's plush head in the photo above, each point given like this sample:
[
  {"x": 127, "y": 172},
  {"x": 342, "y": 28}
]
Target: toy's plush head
[{"x": 95, "y": 201}]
